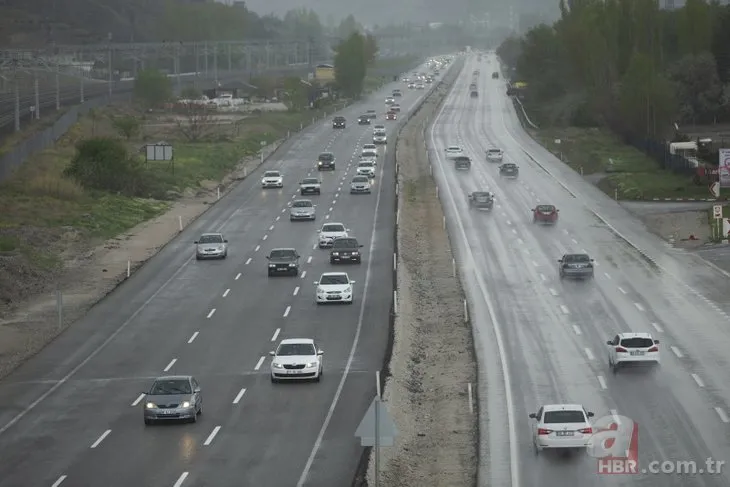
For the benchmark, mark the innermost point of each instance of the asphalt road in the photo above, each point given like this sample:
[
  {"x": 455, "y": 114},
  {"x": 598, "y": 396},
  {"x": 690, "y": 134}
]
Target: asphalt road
[
  {"x": 72, "y": 416},
  {"x": 541, "y": 340}
]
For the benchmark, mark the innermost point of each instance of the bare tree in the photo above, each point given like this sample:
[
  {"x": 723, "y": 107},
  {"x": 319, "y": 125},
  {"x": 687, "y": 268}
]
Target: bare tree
[{"x": 197, "y": 121}]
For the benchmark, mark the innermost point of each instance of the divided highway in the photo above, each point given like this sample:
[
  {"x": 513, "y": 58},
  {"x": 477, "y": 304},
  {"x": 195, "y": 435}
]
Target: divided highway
[
  {"x": 541, "y": 340},
  {"x": 71, "y": 416}
]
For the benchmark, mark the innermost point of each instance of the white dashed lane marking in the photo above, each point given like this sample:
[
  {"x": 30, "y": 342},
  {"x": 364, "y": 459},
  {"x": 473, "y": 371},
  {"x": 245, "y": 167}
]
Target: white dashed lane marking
[
  {"x": 276, "y": 334},
  {"x": 181, "y": 479},
  {"x": 138, "y": 400},
  {"x": 212, "y": 436},
  {"x": 309, "y": 259},
  {"x": 257, "y": 248},
  {"x": 564, "y": 309},
  {"x": 589, "y": 354},
  {"x": 193, "y": 337},
  {"x": 60, "y": 480},
  {"x": 296, "y": 291},
  {"x": 658, "y": 328},
  {"x": 698, "y": 380},
  {"x": 169, "y": 366},
  {"x": 239, "y": 396},
  {"x": 304, "y": 273},
  {"x": 286, "y": 311},
  {"x": 602, "y": 382},
  {"x": 238, "y": 276},
  {"x": 225, "y": 293},
  {"x": 100, "y": 439},
  {"x": 676, "y": 351},
  {"x": 577, "y": 330},
  {"x": 211, "y": 313},
  {"x": 723, "y": 416},
  {"x": 623, "y": 291},
  {"x": 260, "y": 362},
  {"x": 248, "y": 261},
  {"x": 553, "y": 292},
  {"x": 639, "y": 307}
]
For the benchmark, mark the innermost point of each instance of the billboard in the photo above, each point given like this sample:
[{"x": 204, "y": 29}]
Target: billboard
[
  {"x": 324, "y": 73},
  {"x": 723, "y": 166}
]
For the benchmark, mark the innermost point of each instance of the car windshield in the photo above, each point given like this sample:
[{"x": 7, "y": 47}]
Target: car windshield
[
  {"x": 365, "y": 164},
  {"x": 339, "y": 119},
  {"x": 302, "y": 204},
  {"x": 576, "y": 258},
  {"x": 283, "y": 254},
  {"x": 369, "y": 147},
  {"x": 379, "y": 127},
  {"x": 494, "y": 151},
  {"x": 289, "y": 349},
  {"x": 454, "y": 148},
  {"x": 334, "y": 279},
  {"x": 209, "y": 239},
  {"x": 371, "y": 111},
  {"x": 363, "y": 117},
  {"x": 271, "y": 174},
  {"x": 552, "y": 417},
  {"x": 326, "y": 156},
  {"x": 509, "y": 166},
  {"x": 637, "y": 342},
  {"x": 360, "y": 179},
  {"x": 342, "y": 243},
  {"x": 546, "y": 208},
  {"x": 482, "y": 196},
  {"x": 310, "y": 181},
  {"x": 333, "y": 228},
  {"x": 170, "y": 386}
]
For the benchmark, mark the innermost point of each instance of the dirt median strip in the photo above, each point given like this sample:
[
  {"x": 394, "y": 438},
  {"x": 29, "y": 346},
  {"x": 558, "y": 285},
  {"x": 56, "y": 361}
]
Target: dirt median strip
[{"x": 433, "y": 361}]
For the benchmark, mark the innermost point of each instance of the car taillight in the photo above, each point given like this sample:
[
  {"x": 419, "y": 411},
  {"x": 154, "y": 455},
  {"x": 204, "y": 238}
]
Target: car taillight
[
  {"x": 543, "y": 431},
  {"x": 621, "y": 350},
  {"x": 586, "y": 431},
  {"x": 653, "y": 349}
]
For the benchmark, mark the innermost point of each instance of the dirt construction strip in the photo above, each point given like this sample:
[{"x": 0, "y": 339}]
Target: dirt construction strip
[{"x": 433, "y": 359}]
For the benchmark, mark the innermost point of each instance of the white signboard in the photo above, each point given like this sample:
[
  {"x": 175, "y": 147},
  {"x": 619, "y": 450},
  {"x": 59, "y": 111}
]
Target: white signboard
[
  {"x": 724, "y": 168},
  {"x": 717, "y": 211}
]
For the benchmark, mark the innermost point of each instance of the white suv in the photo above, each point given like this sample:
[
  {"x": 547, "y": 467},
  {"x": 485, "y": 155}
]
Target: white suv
[
  {"x": 628, "y": 348},
  {"x": 561, "y": 426}
]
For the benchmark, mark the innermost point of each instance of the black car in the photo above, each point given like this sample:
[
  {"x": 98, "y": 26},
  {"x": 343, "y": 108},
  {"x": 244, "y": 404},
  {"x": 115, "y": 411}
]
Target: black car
[
  {"x": 363, "y": 120},
  {"x": 462, "y": 163},
  {"x": 577, "y": 266},
  {"x": 339, "y": 123},
  {"x": 326, "y": 161},
  {"x": 474, "y": 94},
  {"x": 509, "y": 170},
  {"x": 346, "y": 249},
  {"x": 481, "y": 200},
  {"x": 283, "y": 262},
  {"x": 397, "y": 94}
]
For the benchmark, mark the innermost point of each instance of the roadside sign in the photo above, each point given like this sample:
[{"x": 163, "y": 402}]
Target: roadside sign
[
  {"x": 386, "y": 427},
  {"x": 715, "y": 189},
  {"x": 717, "y": 211}
]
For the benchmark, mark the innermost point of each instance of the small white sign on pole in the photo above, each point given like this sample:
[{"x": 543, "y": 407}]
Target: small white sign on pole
[{"x": 717, "y": 211}]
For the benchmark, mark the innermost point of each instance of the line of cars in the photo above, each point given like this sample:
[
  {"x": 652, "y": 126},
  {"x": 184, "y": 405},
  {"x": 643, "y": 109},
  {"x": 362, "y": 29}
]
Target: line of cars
[{"x": 564, "y": 426}]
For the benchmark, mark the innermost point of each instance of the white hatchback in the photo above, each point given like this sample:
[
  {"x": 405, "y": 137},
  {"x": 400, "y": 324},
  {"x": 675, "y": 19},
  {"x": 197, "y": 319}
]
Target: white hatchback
[
  {"x": 561, "y": 426},
  {"x": 334, "y": 287},
  {"x": 296, "y": 359},
  {"x": 632, "y": 348},
  {"x": 454, "y": 151}
]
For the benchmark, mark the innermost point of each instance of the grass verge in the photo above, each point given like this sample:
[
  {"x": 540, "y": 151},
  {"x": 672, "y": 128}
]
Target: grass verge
[
  {"x": 45, "y": 217},
  {"x": 614, "y": 166}
]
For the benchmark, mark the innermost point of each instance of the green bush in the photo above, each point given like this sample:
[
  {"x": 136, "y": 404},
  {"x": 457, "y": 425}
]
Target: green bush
[{"x": 103, "y": 163}]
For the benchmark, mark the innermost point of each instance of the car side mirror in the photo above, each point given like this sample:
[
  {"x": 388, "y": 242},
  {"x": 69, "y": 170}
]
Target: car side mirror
[
  {"x": 272, "y": 353},
  {"x": 533, "y": 415},
  {"x": 590, "y": 414},
  {"x": 195, "y": 242},
  {"x": 225, "y": 241},
  {"x": 196, "y": 390},
  {"x": 557, "y": 211},
  {"x": 289, "y": 204},
  {"x": 348, "y": 230},
  {"x": 592, "y": 260},
  {"x": 656, "y": 342},
  {"x": 268, "y": 257},
  {"x": 609, "y": 342},
  {"x": 320, "y": 352},
  {"x": 352, "y": 282},
  {"x": 560, "y": 260},
  {"x": 361, "y": 246},
  {"x": 316, "y": 282}
]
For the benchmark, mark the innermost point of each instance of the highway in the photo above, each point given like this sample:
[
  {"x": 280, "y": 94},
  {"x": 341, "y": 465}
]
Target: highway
[
  {"x": 71, "y": 416},
  {"x": 541, "y": 340}
]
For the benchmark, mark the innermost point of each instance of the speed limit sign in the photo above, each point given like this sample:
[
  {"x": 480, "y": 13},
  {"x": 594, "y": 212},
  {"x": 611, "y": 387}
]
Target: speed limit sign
[{"x": 717, "y": 211}]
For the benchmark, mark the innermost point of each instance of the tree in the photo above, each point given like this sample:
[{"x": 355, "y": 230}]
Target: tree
[
  {"x": 127, "y": 126},
  {"x": 371, "y": 49},
  {"x": 351, "y": 65},
  {"x": 190, "y": 93},
  {"x": 265, "y": 86},
  {"x": 347, "y": 27},
  {"x": 196, "y": 121},
  {"x": 698, "y": 88},
  {"x": 103, "y": 163},
  {"x": 646, "y": 98},
  {"x": 152, "y": 88},
  {"x": 296, "y": 93}
]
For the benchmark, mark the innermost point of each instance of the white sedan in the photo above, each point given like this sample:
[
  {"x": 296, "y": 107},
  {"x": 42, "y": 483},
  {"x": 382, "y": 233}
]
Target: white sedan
[
  {"x": 329, "y": 232},
  {"x": 334, "y": 287},
  {"x": 296, "y": 359},
  {"x": 561, "y": 426},
  {"x": 454, "y": 151},
  {"x": 272, "y": 179}
]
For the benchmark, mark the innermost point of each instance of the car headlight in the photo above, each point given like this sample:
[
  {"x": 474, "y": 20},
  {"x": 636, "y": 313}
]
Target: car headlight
[
  {"x": 276, "y": 365},
  {"x": 150, "y": 405},
  {"x": 263, "y": 181},
  {"x": 355, "y": 252},
  {"x": 335, "y": 254},
  {"x": 319, "y": 162},
  {"x": 348, "y": 289},
  {"x": 292, "y": 264},
  {"x": 311, "y": 364},
  {"x": 320, "y": 290},
  {"x": 272, "y": 265},
  {"x": 185, "y": 404}
]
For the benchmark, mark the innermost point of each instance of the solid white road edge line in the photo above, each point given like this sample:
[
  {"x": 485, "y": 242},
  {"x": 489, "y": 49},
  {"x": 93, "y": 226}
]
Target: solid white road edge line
[
  {"x": 260, "y": 362},
  {"x": 513, "y": 446},
  {"x": 59, "y": 481},
  {"x": 138, "y": 400},
  {"x": 100, "y": 439},
  {"x": 238, "y": 397},
  {"x": 353, "y": 348},
  {"x": 181, "y": 479},
  {"x": 169, "y": 366},
  {"x": 211, "y": 436},
  {"x": 276, "y": 334},
  {"x": 193, "y": 337}
]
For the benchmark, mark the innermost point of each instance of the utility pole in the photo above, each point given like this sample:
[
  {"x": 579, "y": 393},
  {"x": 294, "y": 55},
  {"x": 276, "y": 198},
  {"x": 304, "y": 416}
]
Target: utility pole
[{"x": 109, "y": 62}]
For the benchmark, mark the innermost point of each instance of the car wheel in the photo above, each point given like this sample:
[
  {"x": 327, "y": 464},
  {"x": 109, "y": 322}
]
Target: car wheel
[
  {"x": 270, "y": 274},
  {"x": 295, "y": 272},
  {"x": 197, "y": 257},
  {"x": 318, "y": 378},
  {"x": 194, "y": 419},
  {"x": 614, "y": 367},
  {"x": 350, "y": 301},
  {"x": 332, "y": 261},
  {"x": 273, "y": 380},
  {"x": 147, "y": 422},
  {"x": 200, "y": 411},
  {"x": 535, "y": 447}
]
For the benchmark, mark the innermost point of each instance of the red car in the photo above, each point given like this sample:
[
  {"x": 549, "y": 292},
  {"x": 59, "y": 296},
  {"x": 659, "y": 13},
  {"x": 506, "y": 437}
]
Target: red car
[
  {"x": 545, "y": 214},
  {"x": 390, "y": 116}
]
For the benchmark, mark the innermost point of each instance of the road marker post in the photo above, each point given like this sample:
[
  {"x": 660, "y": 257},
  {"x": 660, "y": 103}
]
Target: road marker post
[
  {"x": 129, "y": 268},
  {"x": 471, "y": 398},
  {"x": 179, "y": 223}
]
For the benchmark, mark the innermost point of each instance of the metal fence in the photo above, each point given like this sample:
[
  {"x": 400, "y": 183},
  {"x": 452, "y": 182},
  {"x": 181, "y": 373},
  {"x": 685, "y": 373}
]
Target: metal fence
[{"x": 659, "y": 151}]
